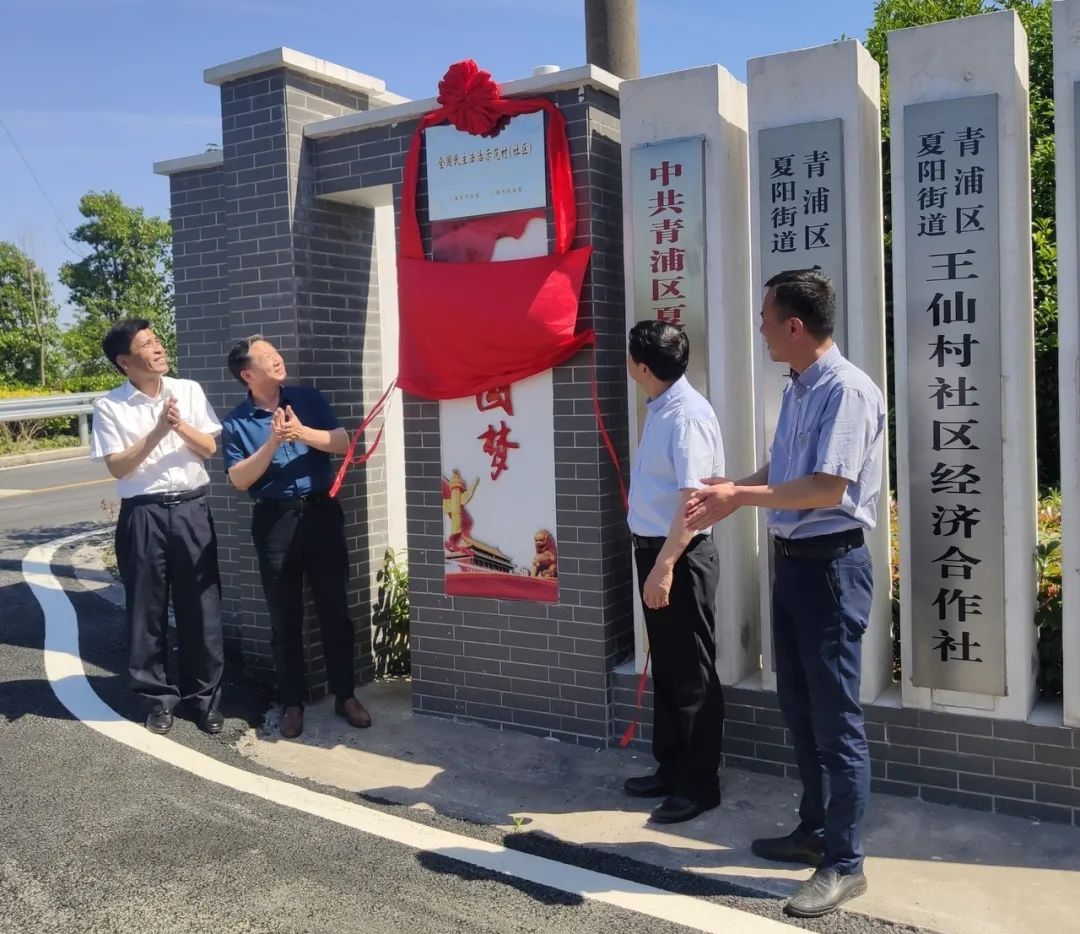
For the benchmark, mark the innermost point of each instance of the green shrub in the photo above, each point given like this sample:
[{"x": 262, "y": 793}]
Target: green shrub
[{"x": 390, "y": 619}]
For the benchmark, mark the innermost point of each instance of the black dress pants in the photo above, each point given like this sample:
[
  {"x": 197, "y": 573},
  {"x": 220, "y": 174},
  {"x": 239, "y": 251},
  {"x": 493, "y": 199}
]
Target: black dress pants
[
  {"x": 295, "y": 540},
  {"x": 688, "y": 701},
  {"x": 163, "y": 550}
]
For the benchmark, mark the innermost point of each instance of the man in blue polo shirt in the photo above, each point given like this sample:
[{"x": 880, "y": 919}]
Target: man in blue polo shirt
[
  {"x": 820, "y": 489},
  {"x": 277, "y": 445}
]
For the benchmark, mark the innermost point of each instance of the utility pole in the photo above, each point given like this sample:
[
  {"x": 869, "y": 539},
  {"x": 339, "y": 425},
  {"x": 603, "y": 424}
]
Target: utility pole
[{"x": 611, "y": 36}]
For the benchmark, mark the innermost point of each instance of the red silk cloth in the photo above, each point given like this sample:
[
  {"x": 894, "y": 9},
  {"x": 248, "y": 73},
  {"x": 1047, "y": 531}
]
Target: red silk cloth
[{"x": 469, "y": 327}]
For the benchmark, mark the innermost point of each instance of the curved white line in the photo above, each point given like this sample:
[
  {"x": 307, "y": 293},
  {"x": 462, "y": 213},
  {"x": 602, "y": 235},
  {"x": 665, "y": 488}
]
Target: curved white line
[{"x": 65, "y": 671}]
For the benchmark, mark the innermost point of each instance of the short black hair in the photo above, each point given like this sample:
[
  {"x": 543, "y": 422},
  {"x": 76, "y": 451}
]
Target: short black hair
[
  {"x": 117, "y": 341},
  {"x": 240, "y": 356},
  {"x": 806, "y": 294},
  {"x": 662, "y": 347}
]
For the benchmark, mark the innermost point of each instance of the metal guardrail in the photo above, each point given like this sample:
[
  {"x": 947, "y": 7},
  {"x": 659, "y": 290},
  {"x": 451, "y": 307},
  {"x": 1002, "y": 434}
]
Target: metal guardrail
[{"x": 25, "y": 408}]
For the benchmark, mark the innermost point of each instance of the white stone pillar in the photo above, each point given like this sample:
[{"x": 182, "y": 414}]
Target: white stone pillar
[
  {"x": 708, "y": 102},
  {"x": 958, "y": 102},
  {"x": 821, "y": 107},
  {"x": 1066, "y": 107}
]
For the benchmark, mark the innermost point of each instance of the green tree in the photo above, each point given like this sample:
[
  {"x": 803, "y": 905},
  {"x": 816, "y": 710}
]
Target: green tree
[
  {"x": 1036, "y": 18},
  {"x": 127, "y": 273},
  {"x": 29, "y": 334}
]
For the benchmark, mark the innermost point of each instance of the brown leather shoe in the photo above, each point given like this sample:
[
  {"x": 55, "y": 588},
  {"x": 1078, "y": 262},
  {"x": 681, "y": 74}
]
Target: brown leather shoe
[
  {"x": 292, "y": 722},
  {"x": 353, "y": 711}
]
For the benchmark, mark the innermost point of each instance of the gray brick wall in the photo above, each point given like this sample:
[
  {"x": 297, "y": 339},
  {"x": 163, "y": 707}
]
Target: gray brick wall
[
  {"x": 535, "y": 667},
  {"x": 256, "y": 253},
  {"x": 202, "y": 325},
  {"x": 1021, "y": 769}
]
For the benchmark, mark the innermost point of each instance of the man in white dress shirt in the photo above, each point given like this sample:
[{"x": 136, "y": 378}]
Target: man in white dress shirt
[
  {"x": 678, "y": 572},
  {"x": 154, "y": 433}
]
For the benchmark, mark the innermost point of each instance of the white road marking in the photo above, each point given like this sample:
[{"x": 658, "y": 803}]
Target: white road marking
[
  {"x": 55, "y": 489},
  {"x": 65, "y": 671}
]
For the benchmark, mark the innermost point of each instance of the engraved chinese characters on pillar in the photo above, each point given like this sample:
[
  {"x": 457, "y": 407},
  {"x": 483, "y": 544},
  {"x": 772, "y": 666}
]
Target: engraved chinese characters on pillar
[
  {"x": 667, "y": 192},
  {"x": 801, "y": 202},
  {"x": 800, "y": 197},
  {"x": 952, "y": 321}
]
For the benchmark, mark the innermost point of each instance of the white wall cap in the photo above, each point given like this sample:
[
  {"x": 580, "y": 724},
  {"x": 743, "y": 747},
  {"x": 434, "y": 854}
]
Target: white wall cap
[
  {"x": 295, "y": 61},
  {"x": 201, "y": 160}
]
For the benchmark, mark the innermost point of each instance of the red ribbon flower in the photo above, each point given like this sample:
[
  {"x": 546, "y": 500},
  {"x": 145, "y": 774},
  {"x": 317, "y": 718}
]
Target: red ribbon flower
[{"x": 471, "y": 99}]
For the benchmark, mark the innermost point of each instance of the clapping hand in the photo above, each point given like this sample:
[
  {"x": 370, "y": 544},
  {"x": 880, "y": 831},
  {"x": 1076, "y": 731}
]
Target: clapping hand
[
  {"x": 172, "y": 413},
  {"x": 169, "y": 419},
  {"x": 286, "y": 426}
]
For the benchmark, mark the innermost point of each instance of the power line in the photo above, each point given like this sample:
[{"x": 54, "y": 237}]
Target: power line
[{"x": 59, "y": 220}]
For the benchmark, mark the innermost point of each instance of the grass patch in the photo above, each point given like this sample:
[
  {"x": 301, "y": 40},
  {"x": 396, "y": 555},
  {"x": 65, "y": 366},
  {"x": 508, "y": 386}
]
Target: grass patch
[{"x": 10, "y": 445}]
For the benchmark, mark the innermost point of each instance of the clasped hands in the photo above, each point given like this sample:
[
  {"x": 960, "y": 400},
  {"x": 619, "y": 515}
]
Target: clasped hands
[
  {"x": 285, "y": 426},
  {"x": 169, "y": 419}
]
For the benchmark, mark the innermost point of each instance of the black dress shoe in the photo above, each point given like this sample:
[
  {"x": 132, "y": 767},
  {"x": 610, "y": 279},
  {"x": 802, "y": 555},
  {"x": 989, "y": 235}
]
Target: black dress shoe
[
  {"x": 796, "y": 847},
  {"x": 677, "y": 809},
  {"x": 212, "y": 722},
  {"x": 159, "y": 721},
  {"x": 647, "y": 786},
  {"x": 824, "y": 892}
]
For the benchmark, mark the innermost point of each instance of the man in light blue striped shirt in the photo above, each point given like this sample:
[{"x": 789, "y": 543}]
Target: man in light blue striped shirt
[
  {"x": 821, "y": 489},
  {"x": 678, "y": 573}
]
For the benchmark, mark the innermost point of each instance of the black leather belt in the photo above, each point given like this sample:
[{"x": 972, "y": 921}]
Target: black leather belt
[
  {"x": 164, "y": 499},
  {"x": 294, "y": 502},
  {"x": 656, "y": 542},
  {"x": 820, "y": 547}
]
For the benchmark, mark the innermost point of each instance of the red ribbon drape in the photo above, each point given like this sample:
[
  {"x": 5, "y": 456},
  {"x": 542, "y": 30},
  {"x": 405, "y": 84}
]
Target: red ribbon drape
[{"x": 470, "y": 327}]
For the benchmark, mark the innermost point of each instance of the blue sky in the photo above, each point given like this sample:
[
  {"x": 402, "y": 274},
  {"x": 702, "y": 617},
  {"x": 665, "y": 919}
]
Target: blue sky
[{"x": 98, "y": 90}]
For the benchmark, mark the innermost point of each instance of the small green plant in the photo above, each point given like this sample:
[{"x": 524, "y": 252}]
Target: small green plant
[
  {"x": 108, "y": 551},
  {"x": 894, "y": 583},
  {"x": 1048, "y": 603},
  {"x": 519, "y": 822},
  {"x": 390, "y": 618}
]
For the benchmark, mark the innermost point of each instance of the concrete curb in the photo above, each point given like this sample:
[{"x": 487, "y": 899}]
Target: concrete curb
[{"x": 43, "y": 457}]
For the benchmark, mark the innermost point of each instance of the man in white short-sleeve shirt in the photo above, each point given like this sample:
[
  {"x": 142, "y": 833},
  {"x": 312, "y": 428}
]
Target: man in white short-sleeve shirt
[
  {"x": 154, "y": 433},
  {"x": 678, "y": 572}
]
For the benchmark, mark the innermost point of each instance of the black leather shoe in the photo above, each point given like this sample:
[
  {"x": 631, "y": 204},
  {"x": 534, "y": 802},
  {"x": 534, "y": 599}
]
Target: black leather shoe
[
  {"x": 212, "y": 722},
  {"x": 647, "y": 786},
  {"x": 159, "y": 721},
  {"x": 677, "y": 809},
  {"x": 824, "y": 892},
  {"x": 796, "y": 847}
]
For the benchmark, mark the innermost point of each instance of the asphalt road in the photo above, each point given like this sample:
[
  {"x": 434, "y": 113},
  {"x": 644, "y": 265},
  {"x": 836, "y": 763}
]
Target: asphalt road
[
  {"x": 98, "y": 837},
  {"x": 41, "y": 502}
]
